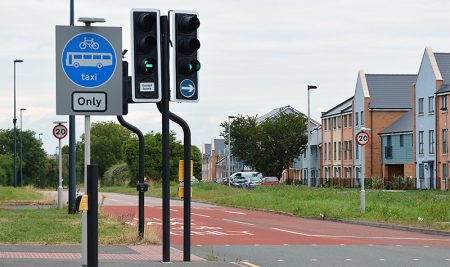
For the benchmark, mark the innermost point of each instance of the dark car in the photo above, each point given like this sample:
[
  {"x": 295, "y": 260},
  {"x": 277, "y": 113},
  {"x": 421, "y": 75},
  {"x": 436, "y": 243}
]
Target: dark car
[{"x": 270, "y": 180}]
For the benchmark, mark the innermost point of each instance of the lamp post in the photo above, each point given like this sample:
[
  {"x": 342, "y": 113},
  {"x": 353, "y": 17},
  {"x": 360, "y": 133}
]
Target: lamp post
[
  {"x": 21, "y": 147},
  {"x": 308, "y": 153},
  {"x": 229, "y": 149},
  {"x": 39, "y": 171},
  {"x": 14, "y": 121}
]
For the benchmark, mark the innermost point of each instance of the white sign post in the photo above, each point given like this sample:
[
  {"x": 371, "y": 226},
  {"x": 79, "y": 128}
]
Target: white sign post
[
  {"x": 60, "y": 131},
  {"x": 362, "y": 138}
]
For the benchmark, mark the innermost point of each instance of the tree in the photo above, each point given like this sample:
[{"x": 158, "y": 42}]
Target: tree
[
  {"x": 107, "y": 139},
  {"x": 271, "y": 146},
  {"x": 153, "y": 156},
  {"x": 34, "y": 155}
]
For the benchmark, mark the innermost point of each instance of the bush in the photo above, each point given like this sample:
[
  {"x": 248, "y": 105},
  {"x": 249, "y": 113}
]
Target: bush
[{"x": 117, "y": 175}]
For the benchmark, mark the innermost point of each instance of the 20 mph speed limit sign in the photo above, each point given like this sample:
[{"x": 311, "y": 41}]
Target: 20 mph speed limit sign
[
  {"x": 362, "y": 138},
  {"x": 60, "y": 131}
]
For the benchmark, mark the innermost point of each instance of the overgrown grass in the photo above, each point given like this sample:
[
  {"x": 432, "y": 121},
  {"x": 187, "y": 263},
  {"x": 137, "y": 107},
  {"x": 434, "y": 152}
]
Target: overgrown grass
[
  {"x": 402, "y": 208},
  {"x": 19, "y": 195},
  {"x": 55, "y": 226}
]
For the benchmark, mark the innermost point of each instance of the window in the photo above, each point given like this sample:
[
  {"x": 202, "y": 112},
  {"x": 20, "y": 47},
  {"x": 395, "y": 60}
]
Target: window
[
  {"x": 335, "y": 150},
  {"x": 421, "y": 171},
  {"x": 401, "y": 140},
  {"x": 106, "y": 57},
  {"x": 345, "y": 150},
  {"x": 97, "y": 57},
  {"x": 325, "y": 151},
  {"x": 420, "y": 106},
  {"x": 350, "y": 149},
  {"x": 87, "y": 56},
  {"x": 431, "y": 104},
  {"x": 356, "y": 118},
  {"x": 444, "y": 141},
  {"x": 356, "y": 152},
  {"x": 334, "y": 123},
  {"x": 444, "y": 170},
  {"x": 362, "y": 117},
  {"x": 350, "y": 120},
  {"x": 339, "y": 122},
  {"x": 339, "y": 150},
  {"x": 345, "y": 121},
  {"x": 389, "y": 140},
  {"x": 431, "y": 140},
  {"x": 444, "y": 102},
  {"x": 329, "y": 150},
  {"x": 77, "y": 56},
  {"x": 421, "y": 142}
]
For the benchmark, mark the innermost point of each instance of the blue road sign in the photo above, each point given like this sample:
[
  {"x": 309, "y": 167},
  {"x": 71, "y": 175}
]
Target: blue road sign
[
  {"x": 187, "y": 88},
  {"x": 88, "y": 60}
]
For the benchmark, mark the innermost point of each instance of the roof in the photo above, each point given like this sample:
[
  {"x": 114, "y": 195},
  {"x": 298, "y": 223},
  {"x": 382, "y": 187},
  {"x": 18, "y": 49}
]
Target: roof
[
  {"x": 390, "y": 91},
  {"x": 403, "y": 125},
  {"x": 443, "y": 62},
  {"x": 286, "y": 109},
  {"x": 344, "y": 105},
  {"x": 207, "y": 149},
  {"x": 218, "y": 147}
]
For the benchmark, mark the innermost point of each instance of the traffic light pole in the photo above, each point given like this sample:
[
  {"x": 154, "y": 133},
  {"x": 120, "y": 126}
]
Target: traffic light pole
[
  {"x": 164, "y": 108},
  {"x": 141, "y": 186}
]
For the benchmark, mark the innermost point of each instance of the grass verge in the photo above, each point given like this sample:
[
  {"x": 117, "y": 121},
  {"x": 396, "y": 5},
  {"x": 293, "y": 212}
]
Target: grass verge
[
  {"x": 54, "y": 226},
  {"x": 425, "y": 209}
]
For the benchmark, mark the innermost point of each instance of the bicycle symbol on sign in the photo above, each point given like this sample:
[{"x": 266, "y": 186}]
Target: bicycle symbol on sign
[{"x": 89, "y": 43}]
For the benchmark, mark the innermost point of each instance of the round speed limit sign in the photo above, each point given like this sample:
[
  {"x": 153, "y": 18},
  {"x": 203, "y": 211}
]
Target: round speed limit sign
[
  {"x": 60, "y": 131},
  {"x": 362, "y": 138}
]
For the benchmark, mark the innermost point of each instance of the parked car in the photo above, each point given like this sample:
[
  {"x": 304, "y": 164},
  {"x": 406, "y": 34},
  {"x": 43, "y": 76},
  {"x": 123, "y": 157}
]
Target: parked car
[
  {"x": 270, "y": 180},
  {"x": 239, "y": 181},
  {"x": 245, "y": 174}
]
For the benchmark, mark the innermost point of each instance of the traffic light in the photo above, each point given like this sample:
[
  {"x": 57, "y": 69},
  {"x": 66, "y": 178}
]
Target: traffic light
[
  {"x": 146, "y": 69},
  {"x": 184, "y": 36}
]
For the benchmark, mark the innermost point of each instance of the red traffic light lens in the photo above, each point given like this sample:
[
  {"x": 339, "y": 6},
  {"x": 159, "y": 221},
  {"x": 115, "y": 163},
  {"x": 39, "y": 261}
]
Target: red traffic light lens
[
  {"x": 146, "y": 22},
  {"x": 188, "y": 23}
]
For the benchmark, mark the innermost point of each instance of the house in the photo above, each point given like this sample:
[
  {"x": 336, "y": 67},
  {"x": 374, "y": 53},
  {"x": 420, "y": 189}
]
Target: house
[
  {"x": 379, "y": 101},
  {"x": 214, "y": 160},
  {"x": 301, "y": 163},
  {"x": 431, "y": 120},
  {"x": 398, "y": 148},
  {"x": 337, "y": 142}
]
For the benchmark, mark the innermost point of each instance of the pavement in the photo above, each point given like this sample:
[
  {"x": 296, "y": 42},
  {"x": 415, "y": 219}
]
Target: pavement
[{"x": 70, "y": 255}]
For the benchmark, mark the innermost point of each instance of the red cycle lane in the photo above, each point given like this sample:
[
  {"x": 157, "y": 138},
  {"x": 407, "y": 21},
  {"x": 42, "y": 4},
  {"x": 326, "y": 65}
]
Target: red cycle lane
[{"x": 228, "y": 226}]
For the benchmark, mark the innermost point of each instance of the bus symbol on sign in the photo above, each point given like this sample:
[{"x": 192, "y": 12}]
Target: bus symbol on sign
[
  {"x": 362, "y": 138},
  {"x": 88, "y": 60}
]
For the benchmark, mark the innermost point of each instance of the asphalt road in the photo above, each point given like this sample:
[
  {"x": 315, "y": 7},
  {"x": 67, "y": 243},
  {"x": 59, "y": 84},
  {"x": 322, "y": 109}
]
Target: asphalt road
[{"x": 252, "y": 238}]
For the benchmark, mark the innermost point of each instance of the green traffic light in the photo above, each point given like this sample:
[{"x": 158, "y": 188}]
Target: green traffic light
[
  {"x": 149, "y": 65},
  {"x": 194, "y": 66}
]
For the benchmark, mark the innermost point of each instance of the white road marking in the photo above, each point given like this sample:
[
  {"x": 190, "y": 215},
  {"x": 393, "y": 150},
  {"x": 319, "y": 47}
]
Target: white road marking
[
  {"x": 174, "y": 210},
  {"x": 362, "y": 237},
  {"x": 426, "y": 246},
  {"x": 348, "y": 259},
  {"x": 201, "y": 215},
  {"x": 398, "y": 245},
  {"x": 341, "y": 244},
  {"x": 285, "y": 244},
  {"x": 415, "y": 259},
  {"x": 313, "y": 259},
  {"x": 228, "y": 220},
  {"x": 382, "y": 259},
  {"x": 280, "y": 260},
  {"x": 235, "y": 212},
  {"x": 447, "y": 259}
]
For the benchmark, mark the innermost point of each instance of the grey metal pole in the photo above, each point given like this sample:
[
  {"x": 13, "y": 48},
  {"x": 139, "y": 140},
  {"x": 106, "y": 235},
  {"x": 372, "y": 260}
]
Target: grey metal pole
[
  {"x": 229, "y": 152},
  {"x": 363, "y": 192},
  {"x": 21, "y": 147},
  {"x": 14, "y": 123},
  {"x": 308, "y": 148},
  {"x": 39, "y": 172},
  {"x": 60, "y": 188},
  {"x": 87, "y": 161}
]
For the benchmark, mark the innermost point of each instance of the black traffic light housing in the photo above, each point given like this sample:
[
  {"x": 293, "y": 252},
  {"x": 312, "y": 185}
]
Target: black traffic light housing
[
  {"x": 184, "y": 36},
  {"x": 146, "y": 51}
]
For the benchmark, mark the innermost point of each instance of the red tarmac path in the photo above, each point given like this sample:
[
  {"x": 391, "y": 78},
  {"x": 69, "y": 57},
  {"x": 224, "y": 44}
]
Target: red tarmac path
[{"x": 229, "y": 226}]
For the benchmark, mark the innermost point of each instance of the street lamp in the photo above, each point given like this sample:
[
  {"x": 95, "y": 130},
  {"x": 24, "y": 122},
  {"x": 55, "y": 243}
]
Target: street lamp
[
  {"x": 308, "y": 153},
  {"x": 39, "y": 171},
  {"x": 14, "y": 121},
  {"x": 21, "y": 147},
  {"x": 229, "y": 149}
]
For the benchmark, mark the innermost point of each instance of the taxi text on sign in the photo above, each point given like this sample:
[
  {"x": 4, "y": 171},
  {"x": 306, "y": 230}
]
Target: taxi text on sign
[{"x": 88, "y": 70}]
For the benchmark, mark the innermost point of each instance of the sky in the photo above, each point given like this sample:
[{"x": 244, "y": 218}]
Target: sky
[{"x": 256, "y": 55}]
